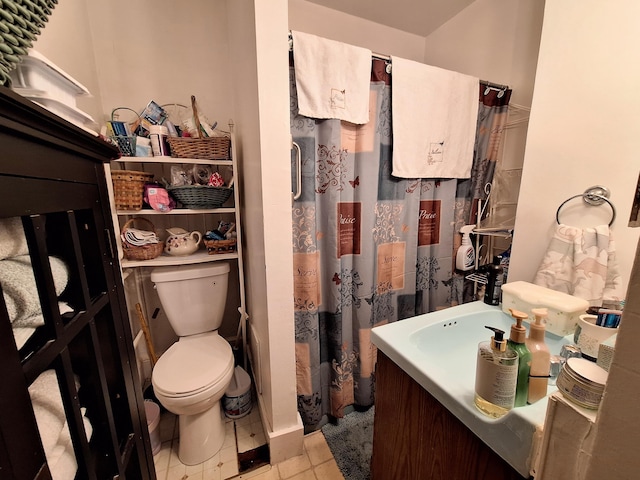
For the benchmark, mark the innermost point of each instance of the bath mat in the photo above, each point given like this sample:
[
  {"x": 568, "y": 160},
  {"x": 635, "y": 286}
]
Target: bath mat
[{"x": 351, "y": 442}]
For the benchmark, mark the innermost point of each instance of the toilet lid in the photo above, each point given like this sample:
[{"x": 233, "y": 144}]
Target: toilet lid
[{"x": 192, "y": 365}]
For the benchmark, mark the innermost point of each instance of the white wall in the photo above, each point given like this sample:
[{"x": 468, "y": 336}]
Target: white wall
[
  {"x": 318, "y": 20},
  {"x": 258, "y": 35},
  {"x": 583, "y": 129},
  {"x": 164, "y": 51},
  {"x": 66, "y": 41},
  {"x": 495, "y": 40}
]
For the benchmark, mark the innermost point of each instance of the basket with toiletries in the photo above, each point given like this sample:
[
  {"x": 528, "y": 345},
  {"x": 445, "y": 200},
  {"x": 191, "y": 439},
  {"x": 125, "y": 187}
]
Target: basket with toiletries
[
  {"x": 215, "y": 247},
  {"x": 203, "y": 142},
  {"x": 222, "y": 239}
]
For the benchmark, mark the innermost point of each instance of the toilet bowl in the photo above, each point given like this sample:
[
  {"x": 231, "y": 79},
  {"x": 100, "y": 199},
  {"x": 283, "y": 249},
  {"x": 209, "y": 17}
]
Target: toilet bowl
[{"x": 191, "y": 377}]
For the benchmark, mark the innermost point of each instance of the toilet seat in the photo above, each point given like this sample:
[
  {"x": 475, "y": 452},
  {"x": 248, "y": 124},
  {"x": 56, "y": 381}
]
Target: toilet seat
[{"x": 192, "y": 365}]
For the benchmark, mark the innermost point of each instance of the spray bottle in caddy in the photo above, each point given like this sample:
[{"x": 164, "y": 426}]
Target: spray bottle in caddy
[
  {"x": 466, "y": 256},
  {"x": 496, "y": 376}
]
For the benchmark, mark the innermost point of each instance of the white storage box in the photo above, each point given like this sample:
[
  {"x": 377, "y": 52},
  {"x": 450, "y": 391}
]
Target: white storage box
[
  {"x": 563, "y": 309},
  {"x": 38, "y": 73}
]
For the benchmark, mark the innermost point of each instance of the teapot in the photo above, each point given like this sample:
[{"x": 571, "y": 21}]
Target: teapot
[{"x": 181, "y": 242}]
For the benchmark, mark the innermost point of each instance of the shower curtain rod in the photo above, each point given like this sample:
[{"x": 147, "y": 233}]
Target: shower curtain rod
[{"x": 387, "y": 58}]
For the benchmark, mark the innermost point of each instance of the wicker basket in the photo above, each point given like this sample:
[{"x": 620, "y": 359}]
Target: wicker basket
[
  {"x": 215, "y": 247},
  {"x": 211, "y": 148},
  {"x": 200, "y": 196},
  {"x": 144, "y": 252},
  {"x": 128, "y": 188}
]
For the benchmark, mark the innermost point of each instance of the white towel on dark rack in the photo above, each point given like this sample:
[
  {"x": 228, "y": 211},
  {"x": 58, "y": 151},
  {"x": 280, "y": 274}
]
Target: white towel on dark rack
[
  {"x": 435, "y": 113},
  {"x": 332, "y": 78},
  {"x": 582, "y": 263}
]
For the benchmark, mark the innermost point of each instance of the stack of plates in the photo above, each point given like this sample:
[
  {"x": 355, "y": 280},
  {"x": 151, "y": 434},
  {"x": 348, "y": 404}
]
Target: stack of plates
[{"x": 582, "y": 382}]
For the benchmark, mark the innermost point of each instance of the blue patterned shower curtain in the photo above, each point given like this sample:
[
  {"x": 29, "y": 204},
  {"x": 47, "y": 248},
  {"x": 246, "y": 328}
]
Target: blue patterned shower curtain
[{"x": 368, "y": 249}]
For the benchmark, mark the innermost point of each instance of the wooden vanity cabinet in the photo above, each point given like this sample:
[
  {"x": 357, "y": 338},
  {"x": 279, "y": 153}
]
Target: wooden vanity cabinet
[{"x": 416, "y": 438}]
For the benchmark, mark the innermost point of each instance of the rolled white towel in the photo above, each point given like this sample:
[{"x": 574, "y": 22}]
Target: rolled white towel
[{"x": 139, "y": 238}]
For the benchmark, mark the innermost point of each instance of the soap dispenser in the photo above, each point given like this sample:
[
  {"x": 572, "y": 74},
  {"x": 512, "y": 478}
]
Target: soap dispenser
[
  {"x": 516, "y": 341},
  {"x": 540, "y": 357},
  {"x": 496, "y": 376}
]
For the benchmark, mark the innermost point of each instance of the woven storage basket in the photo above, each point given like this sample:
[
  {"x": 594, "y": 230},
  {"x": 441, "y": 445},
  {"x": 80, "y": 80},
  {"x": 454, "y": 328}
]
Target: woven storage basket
[
  {"x": 215, "y": 247},
  {"x": 200, "y": 196},
  {"x": 128, "y": 188},
  {"x": 211, "y": 148},
  {"x": 144, "y": 252}
]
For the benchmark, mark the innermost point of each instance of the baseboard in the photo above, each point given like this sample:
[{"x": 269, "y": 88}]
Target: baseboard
[{"x": 284, "y": 443}]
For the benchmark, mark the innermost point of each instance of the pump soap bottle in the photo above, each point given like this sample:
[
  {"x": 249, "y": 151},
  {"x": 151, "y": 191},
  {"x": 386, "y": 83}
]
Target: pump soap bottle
[
  {"x": 540, "y": 357},
  {"x": 516, "y": 341},
  {"x": 496, "y": 376}
]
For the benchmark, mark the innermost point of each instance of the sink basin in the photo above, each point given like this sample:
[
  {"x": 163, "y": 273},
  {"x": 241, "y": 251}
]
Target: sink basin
[{"x": 438, "y": 350}]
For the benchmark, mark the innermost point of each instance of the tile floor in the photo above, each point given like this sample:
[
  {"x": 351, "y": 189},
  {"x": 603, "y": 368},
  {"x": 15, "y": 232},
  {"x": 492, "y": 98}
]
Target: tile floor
[{"x": 243, "y": 436}]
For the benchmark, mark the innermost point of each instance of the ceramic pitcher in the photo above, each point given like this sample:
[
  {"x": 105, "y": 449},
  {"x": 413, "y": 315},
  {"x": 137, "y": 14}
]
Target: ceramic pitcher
[{"x": 181, "y": 242}]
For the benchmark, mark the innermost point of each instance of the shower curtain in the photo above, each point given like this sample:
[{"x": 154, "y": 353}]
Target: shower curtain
[{"x": 368, "y": 248}]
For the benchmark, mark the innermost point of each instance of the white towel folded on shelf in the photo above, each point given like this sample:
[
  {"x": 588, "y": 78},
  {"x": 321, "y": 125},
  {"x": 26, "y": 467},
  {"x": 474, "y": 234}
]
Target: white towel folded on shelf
[
  {"x": 435, "y": 113},
  {"x": 139, "y": 238},
  {"x": 20, "y": 289},
  {"x": 332, "y": 78},
  {"x": 582, "y": 263}
]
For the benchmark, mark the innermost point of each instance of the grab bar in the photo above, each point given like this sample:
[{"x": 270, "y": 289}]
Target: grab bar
[{"x": 295, "y": 196}]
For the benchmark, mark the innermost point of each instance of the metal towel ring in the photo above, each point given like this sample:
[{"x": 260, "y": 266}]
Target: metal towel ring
[{"x": 596, "y": 195}]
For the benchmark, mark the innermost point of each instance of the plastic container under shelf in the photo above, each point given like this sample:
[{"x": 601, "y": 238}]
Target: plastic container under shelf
[
  {"x": 237, "y": 399},
  {"x": 152, "y": 411},
  {"x": 564, "y": 310}
]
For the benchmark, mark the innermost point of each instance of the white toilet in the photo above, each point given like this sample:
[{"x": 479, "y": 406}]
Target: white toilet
[{"x": 191, "y": 377}]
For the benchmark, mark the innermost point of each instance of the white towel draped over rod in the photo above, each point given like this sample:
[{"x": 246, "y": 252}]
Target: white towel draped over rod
[
  {"x": 379, "y": 56},
  {"x": 387, "y": 59}
]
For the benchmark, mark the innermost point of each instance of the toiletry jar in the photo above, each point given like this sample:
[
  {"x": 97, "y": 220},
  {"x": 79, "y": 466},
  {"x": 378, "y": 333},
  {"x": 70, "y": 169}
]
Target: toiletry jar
[{"x": 564, "y": 310}]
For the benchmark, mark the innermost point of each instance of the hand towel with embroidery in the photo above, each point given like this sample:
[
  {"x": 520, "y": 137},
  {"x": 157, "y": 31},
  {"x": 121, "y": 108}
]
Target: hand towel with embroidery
[
  {"x": 582, "y": 263},
  {"x": 332, "y": 78},
  {"x": 435, "y": 113}
]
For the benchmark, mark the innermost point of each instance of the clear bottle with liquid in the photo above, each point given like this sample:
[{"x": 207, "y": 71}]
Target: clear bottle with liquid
[{"x": 496, "y": 376}]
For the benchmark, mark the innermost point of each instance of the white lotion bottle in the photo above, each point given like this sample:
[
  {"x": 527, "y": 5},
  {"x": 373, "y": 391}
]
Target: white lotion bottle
[
  {"x": 466, "y": 255},
  {"x": 540, "y": 357},
  {"x": 496, "y": 376}
]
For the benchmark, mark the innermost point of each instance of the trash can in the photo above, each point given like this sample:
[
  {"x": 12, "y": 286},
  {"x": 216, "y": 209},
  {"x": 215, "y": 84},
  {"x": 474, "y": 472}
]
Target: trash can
[
  {"x": 237, "y": 398},
  {"x": 152, "y": 410}
]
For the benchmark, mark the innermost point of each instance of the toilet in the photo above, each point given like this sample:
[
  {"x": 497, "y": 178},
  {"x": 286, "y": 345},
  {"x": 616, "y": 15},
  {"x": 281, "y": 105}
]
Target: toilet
[{"x": 191, "y": 377}]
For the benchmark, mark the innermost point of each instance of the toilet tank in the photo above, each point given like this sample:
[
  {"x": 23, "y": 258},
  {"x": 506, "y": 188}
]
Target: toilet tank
[{"x": 193, "y": 296}]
